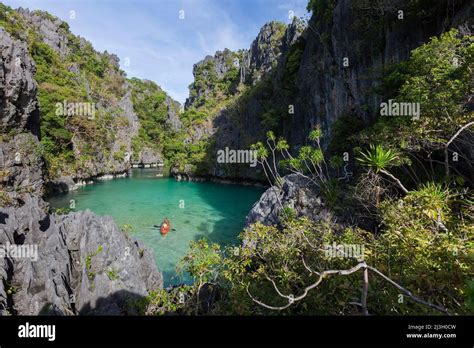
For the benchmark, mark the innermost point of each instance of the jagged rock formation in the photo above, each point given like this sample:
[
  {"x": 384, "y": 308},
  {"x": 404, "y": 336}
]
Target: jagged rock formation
[
  {"x": 20, "y": 164},
  {"x": 228, "y": 90},
  {"x": 149, "y": 156},
  {"x": 93, "y": 155},
  {"x": 271, "y": 43},
  {"x": 51, "y": 29},
  {"x": 206, "y": 73},
  {"x": 325, "y": 89},
  {"x": 158, "y": 117},
  {"x": 173, "y": 120},
  {"x": 83, "y": 264},
  {"x": 297, "y": 193},
  {"x": 17, "y": 88},
  {"x": 266, "y": 50}
]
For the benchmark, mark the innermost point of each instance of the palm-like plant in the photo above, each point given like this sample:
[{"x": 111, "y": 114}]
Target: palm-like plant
[{"x": 379, "y": 159}]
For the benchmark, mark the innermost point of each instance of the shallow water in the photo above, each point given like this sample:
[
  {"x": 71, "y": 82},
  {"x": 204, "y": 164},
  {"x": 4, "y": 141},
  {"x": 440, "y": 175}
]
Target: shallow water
[{"x": 195, "y": 210}]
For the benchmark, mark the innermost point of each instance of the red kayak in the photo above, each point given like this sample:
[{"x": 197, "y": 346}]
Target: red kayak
[{"x": 165, "y": 228}]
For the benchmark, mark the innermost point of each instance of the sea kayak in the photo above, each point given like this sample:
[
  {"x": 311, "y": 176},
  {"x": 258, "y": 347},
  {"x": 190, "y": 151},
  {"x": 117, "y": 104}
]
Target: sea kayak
[{"x": 164, "y": 229}]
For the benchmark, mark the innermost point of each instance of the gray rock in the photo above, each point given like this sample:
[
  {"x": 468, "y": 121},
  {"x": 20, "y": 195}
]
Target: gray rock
[
  {"x": 51, "y": 29},
  {"x": 327, "y": 90},
  {"x": 217, "y": 65},
  {"x": 173, "y": 121},
  {"x": 21, "y": 166},
  {"x": 297, "y": 193},
  {"x": 84, "y": 265},
  {"x": 322, "y": 90},
  {"x": 266, "y": 49},
  {"x": 18, "y": 105},
  {"x": 20, "y": 162},
  {"x": 238, "y": 125},
  {"x": 120, "y": 148},
  {"x": 149, "y": 156}
]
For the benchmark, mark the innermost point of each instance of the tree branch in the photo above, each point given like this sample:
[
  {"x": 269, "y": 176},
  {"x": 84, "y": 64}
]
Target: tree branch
[
  {"x": 362, "y": 265},
  {"x": 446, "y": 152}
]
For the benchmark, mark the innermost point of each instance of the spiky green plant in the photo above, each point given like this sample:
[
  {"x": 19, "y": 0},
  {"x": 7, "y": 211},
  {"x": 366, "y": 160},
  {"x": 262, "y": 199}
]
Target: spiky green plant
[{"x": 378, "y": 158}]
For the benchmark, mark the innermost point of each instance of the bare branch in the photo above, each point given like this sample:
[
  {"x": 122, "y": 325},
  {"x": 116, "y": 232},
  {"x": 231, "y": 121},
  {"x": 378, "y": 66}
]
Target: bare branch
[
  {"x": 276, "y": 288},
  {"x": 365, "y": 289},
  {"x": 363, "y": 304},
  {"x": 407, "y": 292},
  {"x": 308, "y": 268},
  {"x": 446, "y": 153},
  {"x": 265, "y": 305},
  {"x": 324, "y": 274},
  {"x": 399, "y": 183}
]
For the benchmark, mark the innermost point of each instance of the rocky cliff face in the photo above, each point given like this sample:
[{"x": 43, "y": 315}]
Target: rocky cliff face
[
  {"x": 344, "y": 54},
  {"x": 20, "y": 163},
  {"x": 173, "y": 108},
  {"x": 91, "y": 157},
  {"x": 18, "y": 87},
  {"x": 266, "y": 50},
  {"x": 55, "y": 264},
  {"x": 51, "y": 29},
  {"x": 231, "y": 89},
  {"x": 207, "y": 73},
  {"x": 315, "y": 75},
  {"x": 246, "y": 66},
  {"x": 371, "y": 37}
]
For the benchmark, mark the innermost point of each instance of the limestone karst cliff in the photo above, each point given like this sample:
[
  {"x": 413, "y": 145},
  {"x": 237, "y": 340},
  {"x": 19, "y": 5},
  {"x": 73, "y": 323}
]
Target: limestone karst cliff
[
  {"x": 106, "y": 129},
  {"x": 306, "y": 74}
]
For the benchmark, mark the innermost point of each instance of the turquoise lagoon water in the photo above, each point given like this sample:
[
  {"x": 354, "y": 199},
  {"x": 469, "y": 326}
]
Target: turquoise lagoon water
[{"x": 195, "y": 210}]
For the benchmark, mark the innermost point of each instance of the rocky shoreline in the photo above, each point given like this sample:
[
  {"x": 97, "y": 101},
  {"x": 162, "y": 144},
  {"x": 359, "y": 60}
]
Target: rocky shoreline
[
  {"x": 219, "y": 180},
  {"x": 67, "y": 184}
]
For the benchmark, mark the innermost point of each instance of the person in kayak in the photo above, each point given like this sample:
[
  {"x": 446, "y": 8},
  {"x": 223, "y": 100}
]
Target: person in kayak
[{"x": 165, "y": 226}]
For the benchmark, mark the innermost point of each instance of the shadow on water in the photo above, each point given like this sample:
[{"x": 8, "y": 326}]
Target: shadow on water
[{"x": 236, "y": 205}]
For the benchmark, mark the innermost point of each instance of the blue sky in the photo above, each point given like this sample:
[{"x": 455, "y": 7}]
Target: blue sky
[{"x": 158, "y": 45}]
